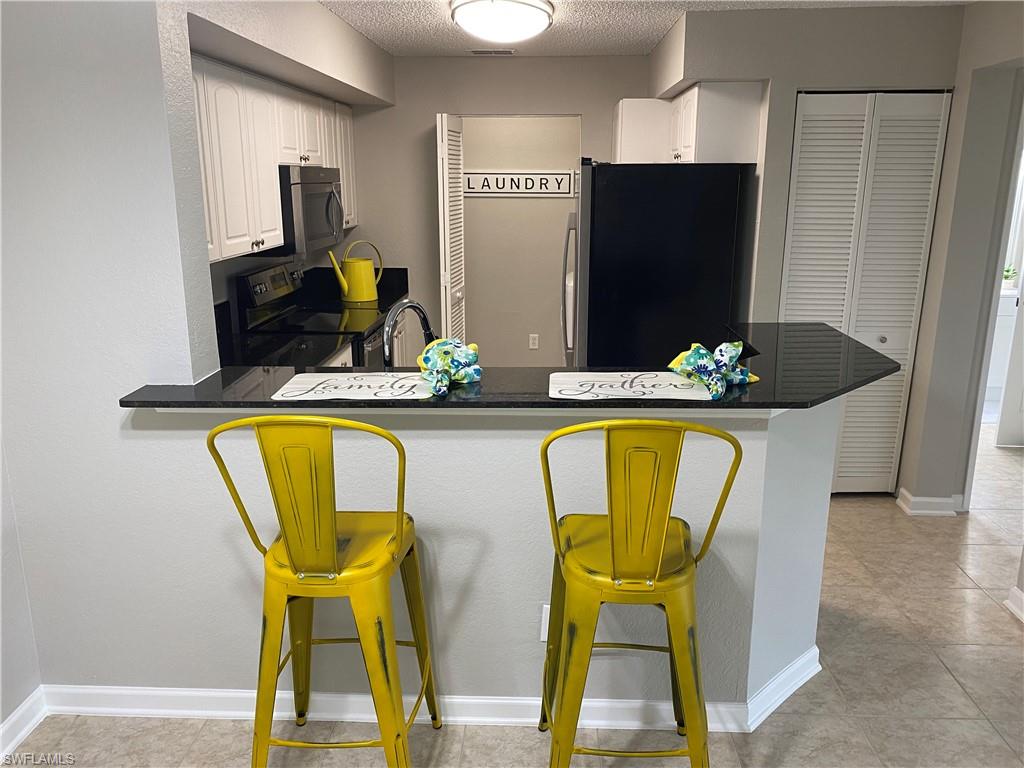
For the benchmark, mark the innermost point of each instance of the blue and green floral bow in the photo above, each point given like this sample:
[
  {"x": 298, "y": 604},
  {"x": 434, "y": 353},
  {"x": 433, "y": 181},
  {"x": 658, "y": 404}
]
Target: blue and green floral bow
[
  {"x": 715, "y": 371},
  {"x": 448, "y": 361}
]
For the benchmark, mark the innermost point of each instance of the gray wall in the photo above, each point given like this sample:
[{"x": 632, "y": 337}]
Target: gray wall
[
  {"x": 514, "y": 245},
  {"x": 962, "y": 268},
  {"x": 396, "y": 160},
  {"x": 19, "y": 662}
]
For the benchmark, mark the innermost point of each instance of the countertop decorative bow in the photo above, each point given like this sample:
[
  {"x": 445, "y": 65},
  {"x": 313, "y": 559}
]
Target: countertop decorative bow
[
  {"x": 445, "y": 362},
  {"x": 715, "y": 371}
]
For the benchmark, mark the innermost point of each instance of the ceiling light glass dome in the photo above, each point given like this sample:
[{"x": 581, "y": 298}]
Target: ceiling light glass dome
[{"x": 503, "y": 21}]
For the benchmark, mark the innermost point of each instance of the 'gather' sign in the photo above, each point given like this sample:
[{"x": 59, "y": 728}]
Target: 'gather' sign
[{"x": 517, "y": 183}]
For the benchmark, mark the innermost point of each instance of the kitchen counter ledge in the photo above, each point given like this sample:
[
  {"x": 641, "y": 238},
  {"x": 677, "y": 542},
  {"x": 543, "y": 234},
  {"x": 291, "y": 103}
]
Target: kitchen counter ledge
[{"x": 800, "y": 365}]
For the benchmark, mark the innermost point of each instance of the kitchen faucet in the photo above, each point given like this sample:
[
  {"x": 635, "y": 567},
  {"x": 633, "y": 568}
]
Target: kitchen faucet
[{"x": 391, "y": 323}]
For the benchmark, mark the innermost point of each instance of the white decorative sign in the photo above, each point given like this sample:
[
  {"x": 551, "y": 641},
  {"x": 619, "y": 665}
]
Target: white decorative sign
[
  {"x": 354, "y": 386},
  {"x": 517, "y": 183},
  {"x": 648, "y": 385}
]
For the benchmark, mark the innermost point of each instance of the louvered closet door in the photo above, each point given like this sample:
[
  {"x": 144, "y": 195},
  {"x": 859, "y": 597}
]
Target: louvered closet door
[
  {"x": 450, "y": 224},
  {"x": 907, "y": 136},
  {"x": 829, "y": 162}
]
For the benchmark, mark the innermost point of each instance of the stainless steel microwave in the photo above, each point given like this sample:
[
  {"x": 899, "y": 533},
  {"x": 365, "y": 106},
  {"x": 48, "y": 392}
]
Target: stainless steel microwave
[{"x": 312, "y": 211}]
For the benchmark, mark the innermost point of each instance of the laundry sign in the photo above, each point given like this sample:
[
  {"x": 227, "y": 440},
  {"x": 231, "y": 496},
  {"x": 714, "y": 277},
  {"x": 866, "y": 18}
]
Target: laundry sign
[{"x": 517, "y": 183}]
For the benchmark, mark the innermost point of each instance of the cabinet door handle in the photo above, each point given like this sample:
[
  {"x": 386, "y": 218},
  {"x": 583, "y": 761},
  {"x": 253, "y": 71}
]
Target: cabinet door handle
[
  {"x": 883, "y": 339},
  {"x": 262, "y": 241},
  {"x": 253, "y": 245}
]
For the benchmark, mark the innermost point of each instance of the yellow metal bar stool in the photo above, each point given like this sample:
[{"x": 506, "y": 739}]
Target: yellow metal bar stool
[
  {"x": 637, "y": 553},
  {"x": 323, "y": 552}
]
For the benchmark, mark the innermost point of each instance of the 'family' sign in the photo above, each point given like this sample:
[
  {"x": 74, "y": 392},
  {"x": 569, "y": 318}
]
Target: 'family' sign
[{"x": 517, "y": 183}]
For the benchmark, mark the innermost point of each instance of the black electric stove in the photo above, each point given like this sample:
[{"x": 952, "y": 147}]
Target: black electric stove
[{"x": 287, "y": 316}]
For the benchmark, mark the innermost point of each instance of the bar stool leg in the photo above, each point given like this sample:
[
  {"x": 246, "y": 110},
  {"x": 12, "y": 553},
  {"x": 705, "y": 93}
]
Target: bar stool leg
[
  {"x": 579, "y": 623},
  {"x": 677, "y": 702},
  {"x": 413, "y": 586},
  {"x": 680, "y": 610},
  {"x": 371, "y": 606},
  {"x": 300, "y": 632},
  {"x": 275, "y": 600},
  {"x": 553, "y": 651}
]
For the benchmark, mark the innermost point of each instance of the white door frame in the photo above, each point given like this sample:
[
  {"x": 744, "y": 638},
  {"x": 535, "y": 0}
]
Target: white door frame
[{"x": 981, "y": 373}]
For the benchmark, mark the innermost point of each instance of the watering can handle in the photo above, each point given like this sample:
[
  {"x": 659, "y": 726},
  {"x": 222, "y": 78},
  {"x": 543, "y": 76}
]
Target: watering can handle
[
  {"x": 337, "y": 273},
  {"x": 380, "y": 259}
]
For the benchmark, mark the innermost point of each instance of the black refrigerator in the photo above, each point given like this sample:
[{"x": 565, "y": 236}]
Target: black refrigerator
[{"x": 656, "y": 257}]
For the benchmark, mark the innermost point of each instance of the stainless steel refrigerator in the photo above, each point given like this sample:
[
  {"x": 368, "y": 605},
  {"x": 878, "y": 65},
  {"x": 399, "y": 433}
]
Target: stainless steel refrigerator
[{"x": 656, "y": 257}]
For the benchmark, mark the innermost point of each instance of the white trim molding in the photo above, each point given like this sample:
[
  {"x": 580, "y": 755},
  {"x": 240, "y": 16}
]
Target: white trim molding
[
  {"x": 22, "y": 721},
  {"x": 1015, "y": 602},
  {"x": 123, "y": 701},
  {"x": 941, "y": 506}
]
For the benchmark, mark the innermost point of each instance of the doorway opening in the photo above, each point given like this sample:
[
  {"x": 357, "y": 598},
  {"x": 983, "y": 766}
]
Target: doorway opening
[{"x": 506, "y": 220}]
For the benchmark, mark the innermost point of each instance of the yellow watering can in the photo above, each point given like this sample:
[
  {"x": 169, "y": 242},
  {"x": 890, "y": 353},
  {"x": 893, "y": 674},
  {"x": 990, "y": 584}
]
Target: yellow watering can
[{"x": 357, "y": 277}]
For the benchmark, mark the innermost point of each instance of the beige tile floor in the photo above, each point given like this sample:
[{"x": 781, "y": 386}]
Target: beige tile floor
[{"x": 922, "y": 666}]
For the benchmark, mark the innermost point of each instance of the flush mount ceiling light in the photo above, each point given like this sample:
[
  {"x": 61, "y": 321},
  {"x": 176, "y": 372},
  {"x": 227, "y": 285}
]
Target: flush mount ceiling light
[{"x": 503, "y": 21}]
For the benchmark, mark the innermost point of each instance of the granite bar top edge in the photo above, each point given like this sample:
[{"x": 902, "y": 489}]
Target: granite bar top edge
[{"x": 800, "y": 365}]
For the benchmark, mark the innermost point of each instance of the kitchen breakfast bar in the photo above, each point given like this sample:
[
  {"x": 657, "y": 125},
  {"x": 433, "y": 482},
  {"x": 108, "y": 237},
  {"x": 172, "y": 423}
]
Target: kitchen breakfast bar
[{"x": 475, "y": 489}]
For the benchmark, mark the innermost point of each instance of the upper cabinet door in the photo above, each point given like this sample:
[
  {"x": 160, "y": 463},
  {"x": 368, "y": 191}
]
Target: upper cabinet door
[
  {"x": 310, "y": 131},
  {"x": 203, "y": 133},
  {"x": 347, "y": 160},
  {"x": 332, "y": 155},
  {"x": 261, "y": 114},
  {"x": 229, "y": 153},
  {"x": 686, "y": 125},
  {"x": 288, "y": 131}
]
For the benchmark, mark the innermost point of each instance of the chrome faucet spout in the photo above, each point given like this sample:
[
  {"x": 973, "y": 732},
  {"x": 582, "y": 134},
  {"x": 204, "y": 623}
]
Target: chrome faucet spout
[{"x": 391, "y": 325}]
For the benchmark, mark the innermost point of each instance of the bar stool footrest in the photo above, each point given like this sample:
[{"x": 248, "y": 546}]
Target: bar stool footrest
[
  {"x": 325, "y": 744},
  {"x": 577, "y": 750}
]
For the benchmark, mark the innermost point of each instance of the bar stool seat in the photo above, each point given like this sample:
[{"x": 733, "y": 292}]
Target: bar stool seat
[
  {"x": 323, "y": 552},
  {"x": 586, "y": 542},
  {"x": 366, "y": 542}
]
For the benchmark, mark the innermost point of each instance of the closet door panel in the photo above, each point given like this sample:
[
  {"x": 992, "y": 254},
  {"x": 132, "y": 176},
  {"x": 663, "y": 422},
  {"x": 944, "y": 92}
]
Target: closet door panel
[
  {"x": 907, "y": 136},
  {"x": 826, "y": 191}
]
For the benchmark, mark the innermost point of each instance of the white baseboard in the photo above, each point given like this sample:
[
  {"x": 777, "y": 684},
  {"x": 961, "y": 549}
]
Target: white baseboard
[
  {"x": 1015, "y": 602},
  {"x": 22, "y": 720},
  {"x": 778, "y": 689},
  {"x": 627, "y": 714},
  {"x": 942, "y": 506}
]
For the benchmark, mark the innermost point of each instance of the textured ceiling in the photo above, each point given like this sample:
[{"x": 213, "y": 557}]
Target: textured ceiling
[{"x": 580, "y": 28}]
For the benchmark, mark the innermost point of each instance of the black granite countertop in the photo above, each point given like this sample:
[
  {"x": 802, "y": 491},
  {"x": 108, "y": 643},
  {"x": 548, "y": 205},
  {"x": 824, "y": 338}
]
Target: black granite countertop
[{"x": 800, "y": 365}]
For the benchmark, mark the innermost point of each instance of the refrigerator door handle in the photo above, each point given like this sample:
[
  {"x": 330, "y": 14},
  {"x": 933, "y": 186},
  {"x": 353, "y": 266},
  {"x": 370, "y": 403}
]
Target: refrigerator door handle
[{"x": 570, "y": 227}]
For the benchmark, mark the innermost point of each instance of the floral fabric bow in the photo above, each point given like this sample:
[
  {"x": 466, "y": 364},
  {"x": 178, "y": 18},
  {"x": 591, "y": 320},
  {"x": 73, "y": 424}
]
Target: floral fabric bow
[
  {"x": 715, "y": 371},
  {"x": 448, "y": 361}
]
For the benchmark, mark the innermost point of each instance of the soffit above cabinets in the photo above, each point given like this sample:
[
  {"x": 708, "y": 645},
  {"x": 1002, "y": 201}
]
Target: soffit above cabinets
[{"x": 580, "y": 28}]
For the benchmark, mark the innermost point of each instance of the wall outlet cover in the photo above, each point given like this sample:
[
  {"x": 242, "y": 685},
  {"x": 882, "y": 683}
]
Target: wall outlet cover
[
  {"x": 534, "y": 341},
  {"x": 545, "y": 612}
]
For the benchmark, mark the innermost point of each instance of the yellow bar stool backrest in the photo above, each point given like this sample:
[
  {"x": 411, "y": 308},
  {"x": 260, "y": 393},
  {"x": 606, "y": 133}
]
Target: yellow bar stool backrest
[
  {"x": 298, "y": 455},
  {"x": 641, "y": 465}
]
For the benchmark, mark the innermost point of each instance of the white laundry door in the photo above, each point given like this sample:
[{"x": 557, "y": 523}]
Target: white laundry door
[
  {"x": 830, "y": 152},
  {"x": 908, "y": 132},
  {"x": 450, "y": 226}
]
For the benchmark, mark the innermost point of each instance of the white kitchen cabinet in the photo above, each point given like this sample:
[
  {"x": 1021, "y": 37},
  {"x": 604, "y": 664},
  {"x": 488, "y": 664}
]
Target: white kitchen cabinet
[
  {"x": 265, "y": 184},
  {"x": 342, "y": 358},
  {"x": 716, "y": 123},
  {"x": 311, "y": 134},
  {"x": 408, "y": 343},
  {"x": 332, "y": 142},
  {"x": 861, "y": 205},
  {"x": 347, "y": 163},
  {"x": 640, "y": 133},
  {"x": 205, "y": 161},
  {"x": 288, "y": 131},
  {"x": 230, "y": 165},
  {"x": 247, "y": 126}
]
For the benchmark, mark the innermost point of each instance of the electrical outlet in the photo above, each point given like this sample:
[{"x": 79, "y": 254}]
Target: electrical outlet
[
  {"x": 534, "y": 341},
  {"x": 545, "y": 612}
]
